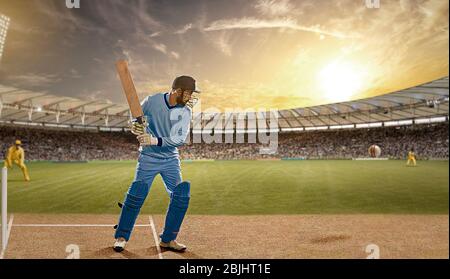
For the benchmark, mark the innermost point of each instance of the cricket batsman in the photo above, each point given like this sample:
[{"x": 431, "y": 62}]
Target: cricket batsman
[
  {"x": 16, "y": 155},
  {"x": 411, "y": 157},
  {"x": 166, "y": 127}
]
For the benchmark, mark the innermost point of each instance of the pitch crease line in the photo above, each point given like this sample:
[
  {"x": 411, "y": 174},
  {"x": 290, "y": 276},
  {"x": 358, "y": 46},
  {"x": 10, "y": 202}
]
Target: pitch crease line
[
  {"x": 73, "y": 225},
  {"x": 155, "y": 237}
]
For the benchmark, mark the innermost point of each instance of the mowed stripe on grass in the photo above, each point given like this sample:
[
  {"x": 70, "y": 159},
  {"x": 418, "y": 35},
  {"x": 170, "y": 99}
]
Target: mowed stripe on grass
[{"x": 242, "y": 187}]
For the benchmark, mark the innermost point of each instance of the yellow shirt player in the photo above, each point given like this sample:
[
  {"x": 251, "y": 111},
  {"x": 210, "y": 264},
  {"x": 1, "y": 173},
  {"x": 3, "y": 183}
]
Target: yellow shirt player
[
  {"x": 411, "y": 158},
  {"x": 16, "y": 155}
]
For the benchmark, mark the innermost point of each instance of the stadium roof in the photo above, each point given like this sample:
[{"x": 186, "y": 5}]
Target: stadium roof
[{"x": 428, "y": 100}]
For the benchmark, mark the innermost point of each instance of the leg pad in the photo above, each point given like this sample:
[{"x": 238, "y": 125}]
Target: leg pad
[
  {"x": 179, "y": 203},
  {"x": 130, "y": 210}
]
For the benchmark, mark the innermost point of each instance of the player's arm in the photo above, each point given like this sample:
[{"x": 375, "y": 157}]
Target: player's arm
[
  {"x": 9, "y": 158},
  {"x": 178, "y": 133},
  {"x": 138, "y": 128}
]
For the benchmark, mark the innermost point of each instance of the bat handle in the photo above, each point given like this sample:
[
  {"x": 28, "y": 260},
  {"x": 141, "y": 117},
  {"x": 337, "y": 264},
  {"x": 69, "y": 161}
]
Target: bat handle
[{"x": 140, "y": 119}]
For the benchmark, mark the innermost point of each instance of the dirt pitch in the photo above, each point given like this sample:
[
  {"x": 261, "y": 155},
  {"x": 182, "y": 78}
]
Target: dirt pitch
[{"x": 273, "y": 236}]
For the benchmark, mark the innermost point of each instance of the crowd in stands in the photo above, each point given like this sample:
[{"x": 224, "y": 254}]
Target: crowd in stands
[
  {"x": 428, "y": 141},
  {"x": 69, "y": 145}
]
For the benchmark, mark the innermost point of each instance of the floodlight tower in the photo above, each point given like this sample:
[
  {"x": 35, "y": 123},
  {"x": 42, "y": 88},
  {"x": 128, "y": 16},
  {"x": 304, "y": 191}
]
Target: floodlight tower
[{"x": 4, "y": 24}]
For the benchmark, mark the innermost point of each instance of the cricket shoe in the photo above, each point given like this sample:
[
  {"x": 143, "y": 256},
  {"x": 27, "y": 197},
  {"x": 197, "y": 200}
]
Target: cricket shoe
[
  {"x": 119, "y": 245},
  {"x": 173, "y": 245}
]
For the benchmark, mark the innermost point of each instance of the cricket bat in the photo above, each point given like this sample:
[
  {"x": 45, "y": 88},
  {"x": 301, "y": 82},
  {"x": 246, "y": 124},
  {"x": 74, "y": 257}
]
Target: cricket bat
[{"x": 130, "y": 91}]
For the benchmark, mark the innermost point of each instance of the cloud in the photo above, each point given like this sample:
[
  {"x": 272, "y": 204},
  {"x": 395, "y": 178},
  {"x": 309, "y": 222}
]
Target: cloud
[
  {"x": 96, "y": 95},
  {"x": 120, "y": 15},
  {"x": 67, "y": 20},
  {"x": 268, "y": 50},
  {"x": 163, "y": 49},
  {"x": 34, "y": 80},
  {"x": 175, "y": 55},
  {"x": 286, "y": 23},
  {"x": 222, "y": 42},
  {"x": 185, "y": 28},
  {"x": 75, "y": 74},
  {"x": 98, "y": 60},
  {"x": 151, "y": 86},
  {"x": 160, "y": 47},
  {"x": 155, "y": 34},
  {"x": 274, "y": 7},
  {"x": 237, "y": 95},
  {"x": 398, "y": 42}
]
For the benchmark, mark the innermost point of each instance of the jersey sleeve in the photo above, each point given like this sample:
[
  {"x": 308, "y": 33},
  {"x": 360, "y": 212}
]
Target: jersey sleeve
[
  {"x": 9, "y": 156},
  {"x": 145, "y": 104},
  {"x": 179, "y": 131}
]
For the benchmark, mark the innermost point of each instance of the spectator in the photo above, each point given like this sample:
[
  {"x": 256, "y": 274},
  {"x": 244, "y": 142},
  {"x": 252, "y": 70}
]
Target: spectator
[{"x": 429, "y": 141}]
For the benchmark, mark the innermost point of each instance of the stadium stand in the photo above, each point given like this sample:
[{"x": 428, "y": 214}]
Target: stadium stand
[
  {"x": 58, "y": 128},
  {"x": 429, "y": 140},
  {"x": 69, "y": 145},
  {"x": 23, "y": 107}
]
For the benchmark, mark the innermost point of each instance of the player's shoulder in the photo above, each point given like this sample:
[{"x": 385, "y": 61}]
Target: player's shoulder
[
  {"x": 153, "y": 98},
  {"x": 157, "y": 95},
  {"x": 187, "y": 110}
]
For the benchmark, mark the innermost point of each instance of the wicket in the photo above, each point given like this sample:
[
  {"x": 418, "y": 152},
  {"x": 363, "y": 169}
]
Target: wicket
[{"x": 4, "y": 208}]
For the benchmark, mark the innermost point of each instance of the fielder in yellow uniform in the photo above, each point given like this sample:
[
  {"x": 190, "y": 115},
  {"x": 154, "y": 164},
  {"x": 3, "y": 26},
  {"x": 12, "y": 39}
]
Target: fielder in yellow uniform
[
  {"x": 16, "y": 155},
  {"x": 411, "y": 158}
]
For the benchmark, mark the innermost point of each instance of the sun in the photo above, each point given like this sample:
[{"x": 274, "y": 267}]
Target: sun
[{"x": 340, "y": 80}]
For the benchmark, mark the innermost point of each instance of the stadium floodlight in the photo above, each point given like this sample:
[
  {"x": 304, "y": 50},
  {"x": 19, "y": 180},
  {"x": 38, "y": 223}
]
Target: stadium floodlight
[{"x": 4, "y": 24}]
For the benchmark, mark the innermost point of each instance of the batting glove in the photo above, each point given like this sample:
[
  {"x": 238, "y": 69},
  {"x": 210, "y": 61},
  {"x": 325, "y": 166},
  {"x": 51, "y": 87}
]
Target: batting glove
[
  {"x": 147, "y": 139},
  {"x": 137, "y": 128}
]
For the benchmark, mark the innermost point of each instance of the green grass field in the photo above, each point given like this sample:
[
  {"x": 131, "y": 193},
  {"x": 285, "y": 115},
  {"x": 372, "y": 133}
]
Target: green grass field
[{"x": 242, "y": 187}]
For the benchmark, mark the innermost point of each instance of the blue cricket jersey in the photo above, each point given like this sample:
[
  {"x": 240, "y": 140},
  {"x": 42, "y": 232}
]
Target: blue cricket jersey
[{"x": 170, "y": 125}]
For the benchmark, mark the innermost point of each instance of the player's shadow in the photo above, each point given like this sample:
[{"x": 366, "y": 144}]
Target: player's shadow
[
  {"x": 152, "y": 251},
  {"x": 185, "y": 254},
  {"x": 109, "y": 253},
  {"x": 330, "y": 238}
]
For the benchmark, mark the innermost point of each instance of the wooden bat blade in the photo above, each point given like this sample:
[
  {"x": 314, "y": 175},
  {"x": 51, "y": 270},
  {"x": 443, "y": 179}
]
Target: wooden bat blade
[{"x": 129, "y": 89}]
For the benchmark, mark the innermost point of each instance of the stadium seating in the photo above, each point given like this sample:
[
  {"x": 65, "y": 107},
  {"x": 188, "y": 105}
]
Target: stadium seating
[{"x": 429, "y": 141}]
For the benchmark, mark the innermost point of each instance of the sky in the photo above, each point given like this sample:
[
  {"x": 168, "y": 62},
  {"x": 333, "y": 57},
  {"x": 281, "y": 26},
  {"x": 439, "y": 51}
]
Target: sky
[{"x": 244, "y": 54}]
